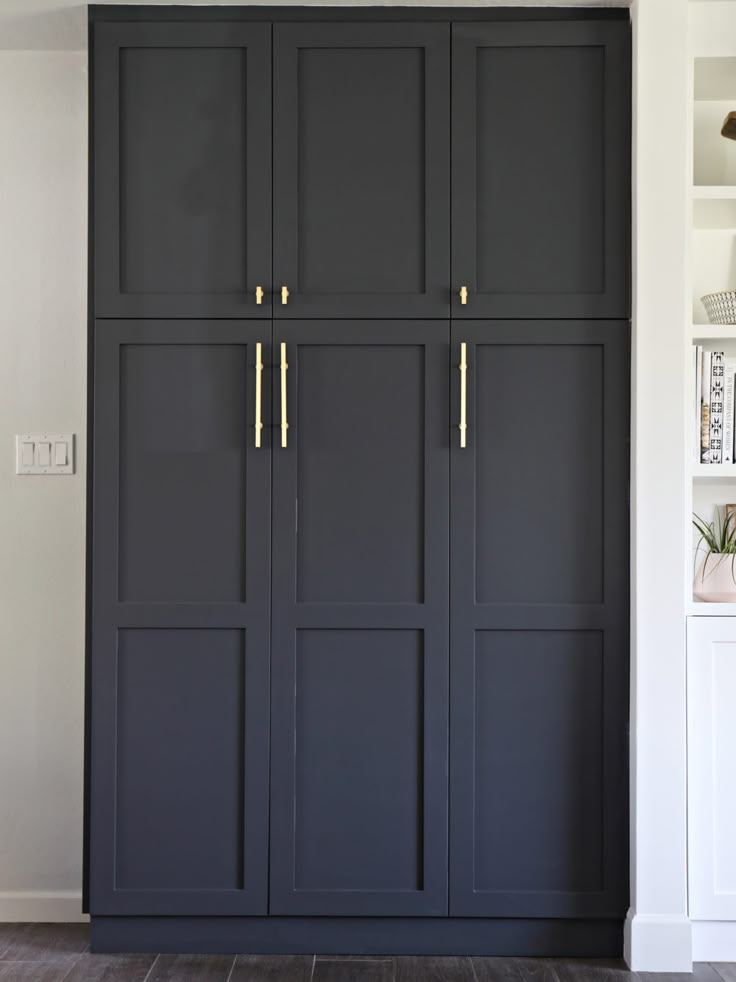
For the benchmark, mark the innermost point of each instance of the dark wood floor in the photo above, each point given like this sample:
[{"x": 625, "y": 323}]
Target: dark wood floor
[{"x": 60, "y": 953}]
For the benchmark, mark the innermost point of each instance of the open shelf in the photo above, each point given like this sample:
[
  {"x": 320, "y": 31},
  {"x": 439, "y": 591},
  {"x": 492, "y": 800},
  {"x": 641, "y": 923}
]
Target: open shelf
[
  {"x": 711, "y": 472},
  {"x": 712, "y": 332},
  {"x": 699, "y": 609},
  {"x": 707, "y": 192}
]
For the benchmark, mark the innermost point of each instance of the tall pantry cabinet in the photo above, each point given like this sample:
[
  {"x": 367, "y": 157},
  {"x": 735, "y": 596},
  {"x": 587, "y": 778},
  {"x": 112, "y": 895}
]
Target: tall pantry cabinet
[{"x": 358, "y": 591}]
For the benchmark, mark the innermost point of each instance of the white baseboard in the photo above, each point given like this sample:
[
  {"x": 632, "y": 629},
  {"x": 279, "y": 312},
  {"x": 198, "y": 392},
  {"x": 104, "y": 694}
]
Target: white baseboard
[
  {"x": 43, "y": 906},
  {"x": 654, "y": 943},
  {"x": 714, "y": 941}
]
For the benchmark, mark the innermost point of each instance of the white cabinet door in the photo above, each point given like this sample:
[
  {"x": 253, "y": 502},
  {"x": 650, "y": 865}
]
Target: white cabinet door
[{"x": 711, "y": 696}]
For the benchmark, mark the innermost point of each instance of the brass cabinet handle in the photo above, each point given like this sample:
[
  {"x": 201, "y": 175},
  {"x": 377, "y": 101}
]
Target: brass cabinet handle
[
  {"x": 284, "y": 295},
  {"x": 259, "y": 295},
  {"x": 463, "y": 295},
  {"x": 284, "y": 367},
  {"x": 259, "y": 372},
  {"x": 463, "y": 427}
]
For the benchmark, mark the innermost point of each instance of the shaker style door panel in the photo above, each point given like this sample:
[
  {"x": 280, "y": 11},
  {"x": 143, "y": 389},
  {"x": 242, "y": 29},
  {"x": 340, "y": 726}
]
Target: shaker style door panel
[
  {"x": 539, "y": 621},
  {"x": 362, "y": 170},
  {"x": 360, "y": 619},
  {"x": 182, "y": 170},
  {"x": 541, "y": 169},
  {"x": 180, "y": 631}
]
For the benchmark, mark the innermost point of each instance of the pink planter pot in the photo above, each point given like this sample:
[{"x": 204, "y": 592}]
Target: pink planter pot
[{"x": 718, "y": 583}]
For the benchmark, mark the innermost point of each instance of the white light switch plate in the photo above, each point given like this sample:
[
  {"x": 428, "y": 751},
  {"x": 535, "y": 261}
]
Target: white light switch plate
[{"x": 44, "y": 453}]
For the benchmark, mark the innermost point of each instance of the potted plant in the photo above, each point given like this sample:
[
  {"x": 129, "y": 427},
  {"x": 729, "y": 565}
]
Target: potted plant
[{"x": 715, "y": 579}]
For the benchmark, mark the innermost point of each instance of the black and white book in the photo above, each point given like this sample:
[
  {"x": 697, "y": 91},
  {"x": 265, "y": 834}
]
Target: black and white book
[{"x": 717, "y": 372}]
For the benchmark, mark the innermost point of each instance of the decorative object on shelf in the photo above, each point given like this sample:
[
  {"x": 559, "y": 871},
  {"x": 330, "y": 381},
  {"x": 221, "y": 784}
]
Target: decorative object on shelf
[
  {"x": 715, "y": 579},
  {"x": 720, "y": 307},
  {"x": 729, "y": 127}
]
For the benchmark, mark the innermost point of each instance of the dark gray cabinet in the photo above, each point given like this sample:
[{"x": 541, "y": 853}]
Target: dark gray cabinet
[
  {"x": 182, "y": 169},
  {"x": 541, "y": 169},
  {"x": 362, "y": 169},
  {"x": 539, "y": 622},
  {"x": 359, "y": 724},
  {"x": 181, "y": 619},
  {"x": 357, "y": 677}
]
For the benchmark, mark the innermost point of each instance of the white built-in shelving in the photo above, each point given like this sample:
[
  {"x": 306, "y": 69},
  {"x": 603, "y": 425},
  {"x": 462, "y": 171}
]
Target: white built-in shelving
[{"x": 712, "y": 217}]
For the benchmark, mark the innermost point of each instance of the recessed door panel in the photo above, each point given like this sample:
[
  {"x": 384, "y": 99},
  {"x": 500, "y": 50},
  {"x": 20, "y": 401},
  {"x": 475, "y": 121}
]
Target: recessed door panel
[
  {"x": 179, "y": 760},
  {"x": 358, "y": 776},
  {"x": 361, "y": 534},
  {"x": 183, "y": 155},
  {"x": 541, "y": 197},
  {"x": 540, "y": 410},
  {"x": 180, "y": 655},
  {"x": 183, "y": 456},
  {"x": 360, "y": 613},
  {"x": 539, "y": 620},
  {"x": 538, "y": 726},
  {"x": 361, "y": 177}
]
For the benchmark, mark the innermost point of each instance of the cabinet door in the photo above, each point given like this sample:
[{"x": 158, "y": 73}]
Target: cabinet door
[
  {"x": 540, "y": 161},
  {"x": 362, "y": 169},
  {"x": 711, "y": 691},
  {"x": 539, "y": 621},
  {"x": 360, "y": 621},
  {"x": 182, "y": 169},
  {"x": 180, "y": 631}
]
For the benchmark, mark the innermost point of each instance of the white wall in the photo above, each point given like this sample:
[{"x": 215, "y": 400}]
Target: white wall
[{"x": 43, "y": 207}]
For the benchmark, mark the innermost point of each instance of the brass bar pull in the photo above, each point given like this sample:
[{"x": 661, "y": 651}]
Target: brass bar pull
[
  {"x": 463, "y": 295},
  {"x": 259, "y": 295},
  {"x": 284, "y": 366},
  {"x": 284, "y": 295},
  {"x": 259, "y": 372},
  {"x": 463, "y": 395}
]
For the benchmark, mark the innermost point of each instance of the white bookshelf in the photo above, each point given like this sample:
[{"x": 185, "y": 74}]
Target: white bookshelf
[{"x": 712, "y": 237}]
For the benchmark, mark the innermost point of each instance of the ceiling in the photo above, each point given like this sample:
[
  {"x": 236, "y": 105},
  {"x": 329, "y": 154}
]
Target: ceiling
[{"x": 60, "y": 25}]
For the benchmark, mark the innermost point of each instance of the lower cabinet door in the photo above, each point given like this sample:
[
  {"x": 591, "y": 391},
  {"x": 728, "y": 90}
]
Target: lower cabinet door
[
  {"x": 711, "y": 728},
  {"x": 539, "y": 620},
  {"x": 180, "y": 632},
  {"x": 359, "y": 726}
]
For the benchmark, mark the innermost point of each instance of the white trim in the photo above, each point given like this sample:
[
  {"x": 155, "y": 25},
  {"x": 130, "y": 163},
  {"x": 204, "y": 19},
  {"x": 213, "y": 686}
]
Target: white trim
[
  {"x": 58, "y": 906},
  {"x": 714, "y": 941},
  {"x": 658, "y": 944}
]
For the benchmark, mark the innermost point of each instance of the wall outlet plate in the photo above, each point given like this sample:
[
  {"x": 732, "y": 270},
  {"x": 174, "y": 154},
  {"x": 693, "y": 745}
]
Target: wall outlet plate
[{"x": 44, "y": 453}]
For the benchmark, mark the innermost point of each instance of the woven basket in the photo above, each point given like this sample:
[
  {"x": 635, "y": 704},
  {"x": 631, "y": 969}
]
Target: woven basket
[{"x": 720, "y": 307}]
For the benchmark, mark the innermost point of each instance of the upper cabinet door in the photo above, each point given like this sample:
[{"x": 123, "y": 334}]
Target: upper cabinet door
[
  {"x": 541, "y": 184},
  {"x": 182, "y": 170},
  {"x": 362, "y": 170}
]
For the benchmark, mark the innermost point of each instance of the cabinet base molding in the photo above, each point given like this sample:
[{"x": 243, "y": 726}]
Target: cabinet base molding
[
  {"x": 359, "y": 935},
  {"x": 714, "y": 941},
  {"x": 657, "y": 943}
]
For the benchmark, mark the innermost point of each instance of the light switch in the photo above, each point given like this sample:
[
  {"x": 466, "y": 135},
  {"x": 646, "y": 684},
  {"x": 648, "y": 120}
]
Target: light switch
[{"x": 44, "y": 453}]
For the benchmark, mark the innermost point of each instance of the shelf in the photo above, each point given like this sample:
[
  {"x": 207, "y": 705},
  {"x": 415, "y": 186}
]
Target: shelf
[
  {"x": 697, "y": 608},
  {"x": 713, "y": 472},
  {"x": 712, "y": 332},
  {"x": 707, "y": 192}
]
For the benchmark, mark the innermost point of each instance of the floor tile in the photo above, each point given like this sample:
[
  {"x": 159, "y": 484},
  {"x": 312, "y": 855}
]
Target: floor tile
[
  {"x": 431, "y": 969},
  {"x": 46, "y": 942},
  {"x": 111, "y": 968},
  {"x": 272, "y": 968},
  {"x": 191, "y": 968},
  {"x": 55, "y": 971},
  {"x": 702, "y": 972},
  {"x": 495, "y": 970},
  {"x": 353, "y": 970}
]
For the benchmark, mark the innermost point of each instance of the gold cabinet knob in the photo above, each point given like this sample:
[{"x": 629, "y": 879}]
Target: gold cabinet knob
[
  {"x": 284, "y": 295},
  {"x": 259, "y": 295},
  {"x": 463, "y": 295}
]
